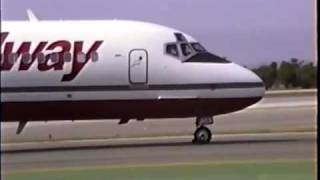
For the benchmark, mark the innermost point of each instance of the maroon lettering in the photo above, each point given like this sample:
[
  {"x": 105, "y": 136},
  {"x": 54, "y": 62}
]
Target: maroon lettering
[
  {"x": 65, "y": 47},
  {"x": 3, "y": 36},
  {"x": 77, "y": 66},
  {"x": 8, "y": 50},
  {"x": 62, "y": 46},
  {"x": 25, "y": 66}
]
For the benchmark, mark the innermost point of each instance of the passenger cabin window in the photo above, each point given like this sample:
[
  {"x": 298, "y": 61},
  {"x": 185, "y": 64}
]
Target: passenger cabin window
[
  {"x": 13, "y": 58},
  {"x": 94, "y": 56},
  {"x": 67, "y": 57},
  {"x": 26, "y": 58},
  {"x": 55, "y": 57},
  {"x": 81, "y": 57},
  {"x": 41, "y": 58},
  {"x": 172, "y": 49}
]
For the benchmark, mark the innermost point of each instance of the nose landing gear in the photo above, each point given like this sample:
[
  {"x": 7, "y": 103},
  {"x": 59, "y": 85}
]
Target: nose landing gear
[{"x": 203, "y": 134}]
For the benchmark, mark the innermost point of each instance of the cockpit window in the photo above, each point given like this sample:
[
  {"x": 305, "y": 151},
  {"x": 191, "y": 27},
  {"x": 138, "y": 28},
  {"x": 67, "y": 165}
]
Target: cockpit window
[
  {"x": 191, "y": 51},
  {"x": 172, "y": 49},
  {"x": 198, "y": 47},
  {"x": 186, "y": 49},
  {"x": 180, "y": 37}
]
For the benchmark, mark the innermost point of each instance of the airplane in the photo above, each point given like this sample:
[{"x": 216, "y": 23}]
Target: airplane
[{"x": 116, "y": 69}]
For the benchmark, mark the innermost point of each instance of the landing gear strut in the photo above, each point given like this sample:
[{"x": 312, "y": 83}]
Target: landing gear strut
[{"x": 202, "y": 135}]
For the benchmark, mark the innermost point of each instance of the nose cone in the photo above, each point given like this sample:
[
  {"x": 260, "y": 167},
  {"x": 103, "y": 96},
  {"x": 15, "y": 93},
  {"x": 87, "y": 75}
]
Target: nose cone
[
  {"x": 252, "y": 76},
  {"x": 252, "y": 83},
  {"x": 249, "y": 90},
  {"x": 260, "y": 90}
]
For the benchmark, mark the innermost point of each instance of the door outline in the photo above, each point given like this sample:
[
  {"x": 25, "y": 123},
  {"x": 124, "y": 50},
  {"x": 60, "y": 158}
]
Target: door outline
[{"x": 147, "y": 67}]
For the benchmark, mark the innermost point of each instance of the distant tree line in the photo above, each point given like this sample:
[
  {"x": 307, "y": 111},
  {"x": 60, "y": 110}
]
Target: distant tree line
[{"x": 288, "y": 74}]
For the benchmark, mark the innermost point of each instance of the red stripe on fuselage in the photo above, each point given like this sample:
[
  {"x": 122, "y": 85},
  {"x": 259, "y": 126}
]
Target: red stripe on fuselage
[{"x": 116, "y": 109}]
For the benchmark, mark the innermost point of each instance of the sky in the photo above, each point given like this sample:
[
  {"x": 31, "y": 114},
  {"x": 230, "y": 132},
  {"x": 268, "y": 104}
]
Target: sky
[{"x": 248, "y": 32}]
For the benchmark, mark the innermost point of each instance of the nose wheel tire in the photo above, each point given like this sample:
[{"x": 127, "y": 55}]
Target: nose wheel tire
[{"x": 202, "y": 135}]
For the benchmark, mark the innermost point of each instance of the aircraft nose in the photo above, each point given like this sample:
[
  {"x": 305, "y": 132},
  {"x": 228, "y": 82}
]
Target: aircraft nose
[
  {"x": 255, "y": 85},
  {"x": 259, "y": 88},
  {"x": 244, "y": 88},
  {"x": 252, "y": 87}
]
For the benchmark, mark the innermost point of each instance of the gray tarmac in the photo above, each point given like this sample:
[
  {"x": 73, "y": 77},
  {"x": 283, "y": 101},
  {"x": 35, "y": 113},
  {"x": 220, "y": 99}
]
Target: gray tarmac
[{"x": 270, "y": 147}]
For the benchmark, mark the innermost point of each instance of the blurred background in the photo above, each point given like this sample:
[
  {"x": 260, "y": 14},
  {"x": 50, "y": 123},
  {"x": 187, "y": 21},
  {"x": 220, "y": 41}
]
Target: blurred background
[{"x": 274, "y": 139}]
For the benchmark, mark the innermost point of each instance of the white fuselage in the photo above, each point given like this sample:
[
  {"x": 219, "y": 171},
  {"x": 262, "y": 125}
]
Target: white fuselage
[{"x": 112, "y": 64}]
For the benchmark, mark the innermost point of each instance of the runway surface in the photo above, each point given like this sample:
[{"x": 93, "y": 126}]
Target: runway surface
[
  {"x": 265, "y": 124},
  {"x": 274, "y": 147}
]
